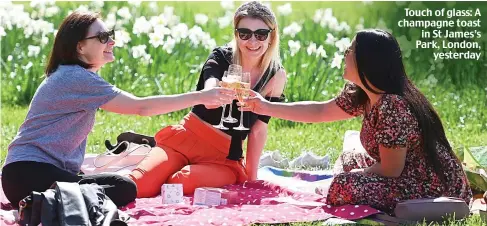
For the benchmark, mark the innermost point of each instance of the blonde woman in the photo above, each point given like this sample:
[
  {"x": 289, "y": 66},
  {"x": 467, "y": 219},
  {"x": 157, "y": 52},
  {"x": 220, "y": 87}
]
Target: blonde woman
[{"x": 196, "y": 154}]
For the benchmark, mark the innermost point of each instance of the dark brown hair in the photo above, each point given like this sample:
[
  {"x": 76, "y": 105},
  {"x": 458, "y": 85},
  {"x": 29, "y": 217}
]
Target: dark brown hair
[
  {"x": 71, "y": 31},
  {"x": 379, "y": 61}
]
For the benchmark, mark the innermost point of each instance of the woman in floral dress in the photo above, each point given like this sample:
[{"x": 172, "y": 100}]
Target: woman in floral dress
[{"x": 407, "y": 153}]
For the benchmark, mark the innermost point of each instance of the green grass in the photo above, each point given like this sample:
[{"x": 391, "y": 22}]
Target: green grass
[{"x": 291, "y": 139}]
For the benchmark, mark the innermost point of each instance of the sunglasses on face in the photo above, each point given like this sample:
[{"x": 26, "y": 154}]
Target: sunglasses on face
[
  {"x": 103, "y": 36},
  {"x": 260, "y": 34}
]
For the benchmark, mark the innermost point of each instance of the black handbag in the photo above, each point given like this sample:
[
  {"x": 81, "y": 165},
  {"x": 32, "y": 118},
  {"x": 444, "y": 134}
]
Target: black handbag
[
  {"x": 66, "y": 204},
  {"x": 30, "y": 209}
]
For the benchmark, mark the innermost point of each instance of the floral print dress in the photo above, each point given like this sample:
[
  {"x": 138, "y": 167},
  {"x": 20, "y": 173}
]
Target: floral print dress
[{"x": 390, "y": 123}]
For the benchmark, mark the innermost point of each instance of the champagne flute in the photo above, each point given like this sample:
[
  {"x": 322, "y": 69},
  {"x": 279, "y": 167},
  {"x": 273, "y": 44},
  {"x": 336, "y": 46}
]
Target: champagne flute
[
  {"x": 229, "y": 117},
  {"x": 243, "y": 92},
  {"x": 225, "y": 85},
  {"x": 233, "y": 70}
]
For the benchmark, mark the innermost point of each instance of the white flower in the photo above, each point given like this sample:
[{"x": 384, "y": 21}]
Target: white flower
[
  {"x": 28, "y": 66},
  {"x": 2, "y": 32},
  {"x": 330, "y": 40},
  {"x": 292, "y": 29},
  {"x": 138, "y": 51},
  {"x": 359, "y": 27},
  {"x": 223, "y": 22},
  {"x": 226, "y": 20},
  {"x": 194, "y": 35},
  {"x": 320, "y": 52},
  {"x": 311, "y": 48},
  {"x": 179, "y": 32},
  {"x": 135, "y": 3},
  {"x": 141, "y": 26},
  {"x": 44, "y": 40},
  {"x": 122, "y": 37},
  {"x": 227, "y": 4},
  {"x": 4, "y": 4},
  {"x": 21, "y": 19},
  {"x": 156, "y": 39},
  {"x": 201, "y": 19},
  {"x": 52, "y": 11},
  {"x": 158, "y": 20},
  {"x": 343, "y": 44},
  {"x": 162, "y": 30},
  {"x": 82, "y": 8},
  {"x": 41, "y": 3},
  {"x": 169, "y": 16},
  {"x": 168, "y": 11},
  {"x": 44, "y": 27},
  {"x": 326, "y": 19},
  {"x": 28, "y": 31},
  {"x": 294, "y": 46},
  {"x": 322, "y": 16},
  {"x": 38, "y": 27},
  {"x": 111, "y": 20},
  {"x": 332, "y": 23},
  {"x": 285, "y": 9},
  {"x": 318, "y": 15},
  {"x": 169, "y": 45},
  {"x": 343, "y": 27},
  {"x": 97, "y": 3},
  {"x": 337, "y": 61},
  {"x": 208, "y": 42},
  {"x": 146, "y": 59},
  {"x": 153, "y": 6},
  {"x": 124, "y": 12},
  {"x": 33, "y": 51}
]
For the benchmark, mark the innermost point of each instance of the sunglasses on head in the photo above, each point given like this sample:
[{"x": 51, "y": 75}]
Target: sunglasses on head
[
  {"x": 260, "y": 34},
  {"x": 103, "y": 36}
]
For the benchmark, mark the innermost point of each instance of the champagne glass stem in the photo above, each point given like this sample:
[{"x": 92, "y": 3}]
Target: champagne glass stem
[
  {"x": 221, "y": 126},
  {"x": 241, "y": 119},
  {"x": 229, "y": 117},
  {"x": 230, "y": 111}
]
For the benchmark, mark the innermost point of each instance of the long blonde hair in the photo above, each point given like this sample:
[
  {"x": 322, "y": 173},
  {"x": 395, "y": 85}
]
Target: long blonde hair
[{"x": 257, "y": 10}]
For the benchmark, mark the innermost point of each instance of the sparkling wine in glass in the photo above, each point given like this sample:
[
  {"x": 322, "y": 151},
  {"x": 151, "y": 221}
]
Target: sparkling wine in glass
[
  {"x": 243, "y": 92},
  {"x": 231, "y": 83},
  {"x": 225, "y": 84},
  {"x": 234, "y": 74}
]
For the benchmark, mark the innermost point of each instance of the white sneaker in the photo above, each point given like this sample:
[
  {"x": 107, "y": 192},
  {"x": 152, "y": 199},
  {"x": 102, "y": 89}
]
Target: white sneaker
[
  {"x": 274, "y": 159},
  {"x": 308, "y": 159}
]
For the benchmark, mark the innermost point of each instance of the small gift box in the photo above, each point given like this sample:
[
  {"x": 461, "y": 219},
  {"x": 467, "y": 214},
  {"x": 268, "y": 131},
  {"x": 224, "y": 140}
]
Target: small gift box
[
  {"x": 214, "y": 196},
  {"x": 172, "y": 193}
]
